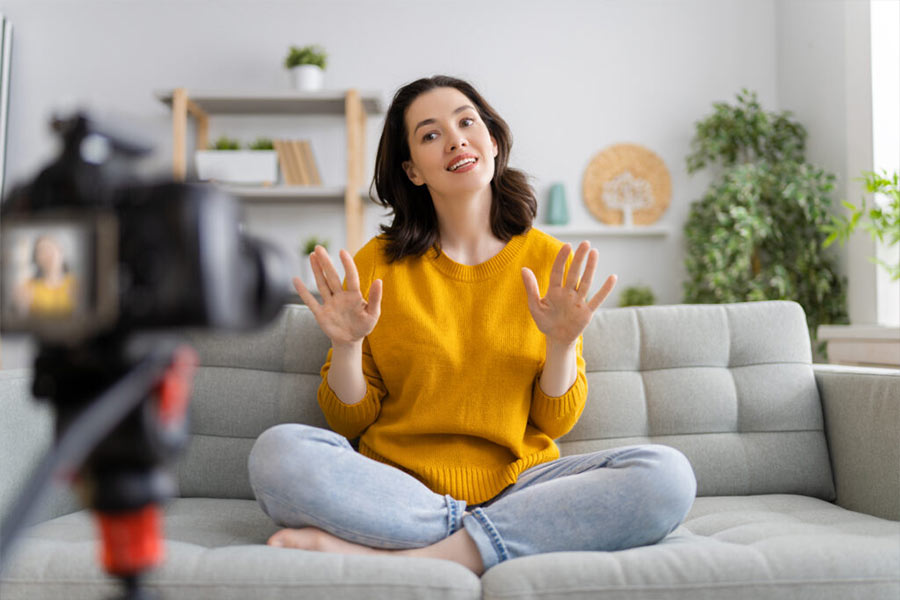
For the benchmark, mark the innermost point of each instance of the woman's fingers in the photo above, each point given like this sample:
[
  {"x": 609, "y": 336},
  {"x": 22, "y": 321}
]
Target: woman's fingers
[
  {"x": 575, "y": 267},
  {"x": 352, "y": 275},
  {"x": 321, "y": 283},
  {"x": 602, "y": 293},
  {"x": 532, "y": 291},
  {"x": 374, "y": 303},
  {"x": 584, "y": 286},
  {"x": 304, "y": 293},
  {"x": 328, "y": 270},
  {"x": 559, "y": 265}
]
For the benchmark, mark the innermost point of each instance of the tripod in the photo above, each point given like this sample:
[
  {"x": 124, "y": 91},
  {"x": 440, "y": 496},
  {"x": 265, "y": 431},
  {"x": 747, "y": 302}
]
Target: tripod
[{"x": 121, "y": 418}]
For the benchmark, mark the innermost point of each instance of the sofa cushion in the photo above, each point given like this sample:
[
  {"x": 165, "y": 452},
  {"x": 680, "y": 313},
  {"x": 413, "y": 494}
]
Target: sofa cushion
[
  {"x": 760, "y": 547},
  {"x": 730, "y": 385},
  {"x": 773, "y": 546},
  {"x": 215, "y": 549},
  {"x": 247, "y": 383}
]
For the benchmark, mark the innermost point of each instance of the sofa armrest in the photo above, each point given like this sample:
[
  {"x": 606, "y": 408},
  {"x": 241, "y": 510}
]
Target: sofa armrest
[
  {"x": 26, "y": 433},
  {"x": 861, "y": 407}
]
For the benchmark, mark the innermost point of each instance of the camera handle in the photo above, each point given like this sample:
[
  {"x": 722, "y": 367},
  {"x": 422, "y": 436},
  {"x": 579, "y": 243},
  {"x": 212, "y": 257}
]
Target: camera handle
[{"x": 113, "y": 444}]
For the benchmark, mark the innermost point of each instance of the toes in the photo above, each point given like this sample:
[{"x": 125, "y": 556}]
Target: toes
[{"x": 277, "y": 539}]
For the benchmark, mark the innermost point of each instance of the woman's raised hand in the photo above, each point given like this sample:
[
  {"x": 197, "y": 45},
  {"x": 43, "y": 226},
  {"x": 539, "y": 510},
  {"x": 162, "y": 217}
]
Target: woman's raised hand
[
  {"x": 344, "y": 315},
  {"x": 564, "y": 312}
]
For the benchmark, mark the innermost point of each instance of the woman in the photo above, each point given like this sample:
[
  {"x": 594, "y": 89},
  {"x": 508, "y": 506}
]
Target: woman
[
  {"x": 460, "y": 385},
  {"x": 51, "y": 292}
]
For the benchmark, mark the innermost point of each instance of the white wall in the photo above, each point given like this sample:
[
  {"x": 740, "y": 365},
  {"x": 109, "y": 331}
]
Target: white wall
[{"x": 571, "y": 77}]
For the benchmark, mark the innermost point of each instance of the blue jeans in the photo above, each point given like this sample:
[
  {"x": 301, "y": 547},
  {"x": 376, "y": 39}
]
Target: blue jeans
[{"x": 614, "y": 499}]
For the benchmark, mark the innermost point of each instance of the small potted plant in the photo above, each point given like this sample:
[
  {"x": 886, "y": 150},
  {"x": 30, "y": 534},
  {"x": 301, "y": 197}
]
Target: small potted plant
[
  {"x": 637, "y": 295},
  {"x": 225, "y": 162},
  {"x": 307, "y": 248},
  {"x": 307, "y": 67}
]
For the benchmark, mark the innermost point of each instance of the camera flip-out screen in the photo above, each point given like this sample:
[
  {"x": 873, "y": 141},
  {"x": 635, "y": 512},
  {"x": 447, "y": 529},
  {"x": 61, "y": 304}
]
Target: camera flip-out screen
[{"x": 58, "y": 274}]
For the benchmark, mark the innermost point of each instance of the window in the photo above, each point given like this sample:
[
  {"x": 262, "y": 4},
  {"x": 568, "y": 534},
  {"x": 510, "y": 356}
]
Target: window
[{"x": 885, "y": 39}]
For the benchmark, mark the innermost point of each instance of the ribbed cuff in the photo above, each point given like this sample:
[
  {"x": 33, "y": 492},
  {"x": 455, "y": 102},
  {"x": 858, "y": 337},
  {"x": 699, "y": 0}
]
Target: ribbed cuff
[
  {"x": 556, "y": 407},
  {"x": 347, "y": 419}
]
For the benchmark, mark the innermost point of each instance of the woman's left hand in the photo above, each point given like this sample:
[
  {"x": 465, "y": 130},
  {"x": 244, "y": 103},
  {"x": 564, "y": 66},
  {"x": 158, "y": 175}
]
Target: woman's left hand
[{"x": 564, "y": 312}]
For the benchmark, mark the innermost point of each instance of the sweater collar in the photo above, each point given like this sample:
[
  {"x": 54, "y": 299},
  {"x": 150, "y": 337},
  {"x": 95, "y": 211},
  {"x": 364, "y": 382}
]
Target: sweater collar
[{"x": 487, "y": 269}]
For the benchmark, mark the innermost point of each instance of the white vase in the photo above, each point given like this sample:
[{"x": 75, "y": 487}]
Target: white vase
[{"x": 308, "y": 78}]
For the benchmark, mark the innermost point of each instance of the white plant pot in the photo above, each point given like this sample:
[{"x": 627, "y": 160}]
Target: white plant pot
[
  {"x": 238, "y": 166},
  {"x": 308, "y": 78}
]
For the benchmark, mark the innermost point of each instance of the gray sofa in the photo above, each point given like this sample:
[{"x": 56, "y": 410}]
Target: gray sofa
[{"x": 798, "y": 470}]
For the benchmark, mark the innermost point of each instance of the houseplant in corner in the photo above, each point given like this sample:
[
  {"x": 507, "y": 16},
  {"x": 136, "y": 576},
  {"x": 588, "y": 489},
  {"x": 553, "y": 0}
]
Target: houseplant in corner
[
  {"x": 757, "y": 234},
  {"x": 882, "y": 221},
  {"x": 225, "y": 162},
  {"x": 871, "y": 344},
  {"x": 307, "y": 67}
]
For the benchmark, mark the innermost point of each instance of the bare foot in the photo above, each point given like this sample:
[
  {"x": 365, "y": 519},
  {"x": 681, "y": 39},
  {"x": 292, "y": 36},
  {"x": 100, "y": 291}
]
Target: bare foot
[
  {"x": 458, "y": 547},
  {"x": 312, "y": 538}
]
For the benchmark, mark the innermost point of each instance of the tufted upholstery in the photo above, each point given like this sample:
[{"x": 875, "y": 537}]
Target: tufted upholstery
[{"x": 730, "y": 385}]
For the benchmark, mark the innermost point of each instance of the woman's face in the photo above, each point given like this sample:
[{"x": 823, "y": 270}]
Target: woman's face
[
  {"x": 443, "y": 127},
  {"x": 48, "y": 255}
]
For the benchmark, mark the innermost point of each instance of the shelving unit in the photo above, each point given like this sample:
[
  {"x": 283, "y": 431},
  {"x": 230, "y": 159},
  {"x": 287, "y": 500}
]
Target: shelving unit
[
  {"x": 603, "y": 230},
  {"x": 352, "y": 104}
]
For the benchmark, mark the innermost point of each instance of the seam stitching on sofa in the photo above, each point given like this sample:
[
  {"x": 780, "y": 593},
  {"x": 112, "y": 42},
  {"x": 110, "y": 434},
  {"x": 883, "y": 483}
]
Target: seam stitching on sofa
[
  {"x": 729, "y": 367},
  {"x": 667, "y": 435},
  {"x": 239, "y": 584},
  {"x": 713, "y": 585},
  {"x": 264, "y": 370}
]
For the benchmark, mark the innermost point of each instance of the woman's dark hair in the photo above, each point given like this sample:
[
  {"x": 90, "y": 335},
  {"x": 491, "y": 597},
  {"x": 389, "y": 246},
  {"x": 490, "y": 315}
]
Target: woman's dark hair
[{"x": 414, "y": 228}]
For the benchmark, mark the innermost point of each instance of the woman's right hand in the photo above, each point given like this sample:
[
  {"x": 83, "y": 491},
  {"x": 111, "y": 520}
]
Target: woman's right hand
[{"x": 344, "y": 315}]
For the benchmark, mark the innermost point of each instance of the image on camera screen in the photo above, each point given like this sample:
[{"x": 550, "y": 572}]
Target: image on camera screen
[{"x": 46, "y": 272}]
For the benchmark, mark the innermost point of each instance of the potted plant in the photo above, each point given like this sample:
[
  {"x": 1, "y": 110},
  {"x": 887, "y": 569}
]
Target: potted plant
[
  {"x": 882, "y": 221},
  {"x": 307, "y": 67},
  {"x": 637, "y": 295},
  {"x": 225, "y": 162},
  {"x": 757, "y": 234},
  {"x": 869, "y": 344},
  {"x": 307, "y": 248}
]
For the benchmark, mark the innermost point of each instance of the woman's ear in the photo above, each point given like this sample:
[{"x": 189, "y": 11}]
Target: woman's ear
[
  {"x": 496, "y": 147},
  {"x": 412, "y": 172}
]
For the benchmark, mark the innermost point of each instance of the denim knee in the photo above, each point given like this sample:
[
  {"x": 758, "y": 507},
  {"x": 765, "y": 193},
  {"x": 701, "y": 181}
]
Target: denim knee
[
  {"x": 267, "y": 465},
  {"x": 674, "y": 486}
]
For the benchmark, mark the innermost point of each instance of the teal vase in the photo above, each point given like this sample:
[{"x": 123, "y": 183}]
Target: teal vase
[{"x": 558, "y": 212}]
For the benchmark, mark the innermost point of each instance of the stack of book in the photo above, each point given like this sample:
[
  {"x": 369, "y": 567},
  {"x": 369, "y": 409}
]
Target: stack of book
[{"x": 298, "y": 166}]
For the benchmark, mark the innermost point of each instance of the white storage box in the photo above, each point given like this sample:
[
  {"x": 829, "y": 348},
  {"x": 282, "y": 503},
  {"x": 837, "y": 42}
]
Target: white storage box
[{"x": 238, "y": 166}]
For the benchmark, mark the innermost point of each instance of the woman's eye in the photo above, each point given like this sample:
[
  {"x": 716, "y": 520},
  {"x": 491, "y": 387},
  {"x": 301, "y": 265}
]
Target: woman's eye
[{"x": 426, "y": 138}]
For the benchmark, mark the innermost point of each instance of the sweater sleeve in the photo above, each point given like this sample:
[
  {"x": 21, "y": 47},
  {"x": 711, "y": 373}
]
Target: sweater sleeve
[
  {"x": 350, "y": 420},
  {"x": 556, "y": 416}
]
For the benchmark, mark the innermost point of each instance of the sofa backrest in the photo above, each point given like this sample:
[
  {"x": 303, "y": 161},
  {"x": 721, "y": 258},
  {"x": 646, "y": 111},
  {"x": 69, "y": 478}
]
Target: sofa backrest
[{"x": 729, "y": 385}]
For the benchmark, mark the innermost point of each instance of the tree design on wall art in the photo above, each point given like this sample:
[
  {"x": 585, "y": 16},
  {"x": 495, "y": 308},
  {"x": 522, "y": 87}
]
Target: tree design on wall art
[
  {"x": 628, "y": 194},
  {"x": 627, "y": 184}
]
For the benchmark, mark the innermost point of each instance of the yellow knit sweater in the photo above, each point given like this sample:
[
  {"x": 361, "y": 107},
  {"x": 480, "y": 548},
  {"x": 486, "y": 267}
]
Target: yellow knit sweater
[{"x": 452, "y": 370}]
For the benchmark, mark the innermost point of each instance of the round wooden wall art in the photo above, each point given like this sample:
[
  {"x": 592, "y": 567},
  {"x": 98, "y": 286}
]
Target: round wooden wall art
[{"x": 627, "y": 178}]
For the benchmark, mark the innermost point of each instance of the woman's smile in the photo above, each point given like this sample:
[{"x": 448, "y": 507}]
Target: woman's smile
[{"x": 462, "y": 163}]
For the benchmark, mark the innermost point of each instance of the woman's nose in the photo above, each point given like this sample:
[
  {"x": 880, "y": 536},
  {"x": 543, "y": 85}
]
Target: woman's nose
[{"x": 458, "y": 143}]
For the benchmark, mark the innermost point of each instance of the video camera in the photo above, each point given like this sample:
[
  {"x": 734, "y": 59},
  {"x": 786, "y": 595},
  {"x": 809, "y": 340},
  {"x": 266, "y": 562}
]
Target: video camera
[
  {"x": 88, "y": 251},
  {"x": 94, "y": 263}
]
